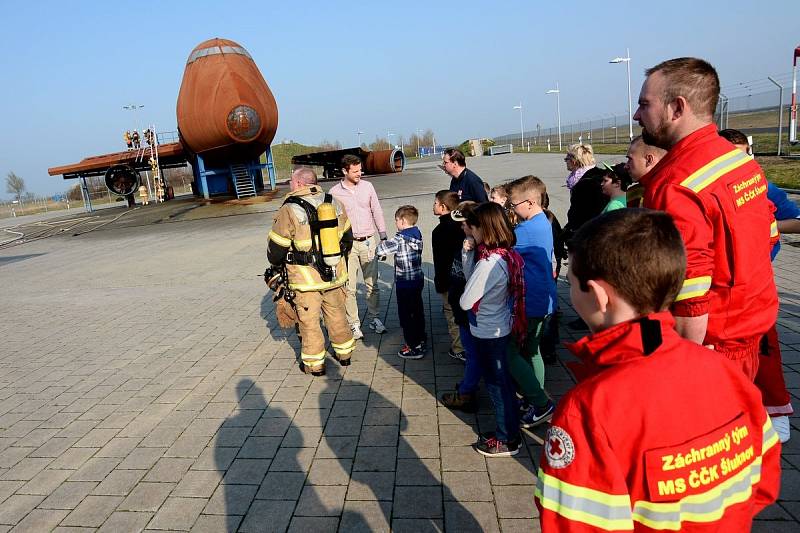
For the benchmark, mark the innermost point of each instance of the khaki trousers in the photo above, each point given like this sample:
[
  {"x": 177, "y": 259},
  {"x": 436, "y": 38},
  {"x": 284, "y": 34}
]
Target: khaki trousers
[
  {"x": 452, "y": 327},
  {"x": 330, "y": 305},
  {"x": 362, "y": 257}
]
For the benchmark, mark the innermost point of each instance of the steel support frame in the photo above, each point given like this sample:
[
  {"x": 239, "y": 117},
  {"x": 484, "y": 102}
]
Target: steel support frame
[{"x": 201, "y": 172}]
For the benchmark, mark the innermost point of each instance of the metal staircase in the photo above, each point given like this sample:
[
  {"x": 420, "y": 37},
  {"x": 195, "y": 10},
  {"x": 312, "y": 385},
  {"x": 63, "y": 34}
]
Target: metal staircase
[{"x": 242, "y": 181}]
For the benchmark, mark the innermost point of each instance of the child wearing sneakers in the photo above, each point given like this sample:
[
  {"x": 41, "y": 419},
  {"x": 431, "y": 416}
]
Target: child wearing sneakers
[
  {"x": 495, "y": 299},
  {"x": 465, "y": 395},
  {"x": 406, "y": 246},
  {"x": 663, "y": 434},
  {"x": 446, "y": 240},
  {"x": 535, "y": 245}
]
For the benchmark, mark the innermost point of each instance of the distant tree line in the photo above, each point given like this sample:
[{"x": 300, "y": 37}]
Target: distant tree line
[{"x": 409, "y": 143}]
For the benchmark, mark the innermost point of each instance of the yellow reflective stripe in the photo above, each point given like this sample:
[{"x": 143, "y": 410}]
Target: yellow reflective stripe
[
  {"x": 302, "y": 244},
  {"x": 345, "y": 347},
  {"x": 308, "y": 280},
  {"x": 321, "y": 286},
  {"x": 770, "y": 438},
  {"x": 711, "y": 172},
  {"x": 599, "y": 509},
  {"x": 708, "y": 166},
  {"x": 694, "y": 287},
  {"x": 773, "y": 229},
  {"x": 706, "y": 507},
  {"x": 314, "y": 357},
  {"x": 311, "y": 285},
  {"x": 345, "y": 228},
  {"x": 279, "y": 239}
]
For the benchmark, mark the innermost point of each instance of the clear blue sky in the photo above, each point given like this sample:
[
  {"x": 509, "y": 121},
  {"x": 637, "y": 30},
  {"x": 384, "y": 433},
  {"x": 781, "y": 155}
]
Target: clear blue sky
[{"x": 336, "y": 67}]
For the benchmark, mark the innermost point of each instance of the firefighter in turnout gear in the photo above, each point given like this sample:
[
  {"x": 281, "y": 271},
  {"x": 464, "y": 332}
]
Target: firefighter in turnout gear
[{"x": 311, "y": 238}]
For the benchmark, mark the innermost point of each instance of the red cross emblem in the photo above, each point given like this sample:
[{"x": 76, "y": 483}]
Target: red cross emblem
[
  {"x": 560, "y": 450},
  {"x": 555, "y": 447}
]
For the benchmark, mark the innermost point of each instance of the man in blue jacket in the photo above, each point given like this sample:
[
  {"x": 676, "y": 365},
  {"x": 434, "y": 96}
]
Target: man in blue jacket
[{"x": 464, "y": 182}]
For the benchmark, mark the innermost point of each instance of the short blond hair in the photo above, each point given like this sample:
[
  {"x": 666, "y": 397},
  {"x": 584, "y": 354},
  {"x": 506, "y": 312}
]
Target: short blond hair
[
  {"x": 408, "y": 213},
  {"x": 582, "y": 153},
  {"x": 527, "y": 184},
  {"x": 499, "y": 189}
]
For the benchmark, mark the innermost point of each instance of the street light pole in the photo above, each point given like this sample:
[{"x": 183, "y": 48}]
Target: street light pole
[
  {"x": 627, "y": 61},
  {"x": 780, "y": 112},
  {"x": 389, "y": 134},
  {"x": 557, "y": 92},
  {"x": 359, "y": 133},
  {"x": 521, "y": 129}
]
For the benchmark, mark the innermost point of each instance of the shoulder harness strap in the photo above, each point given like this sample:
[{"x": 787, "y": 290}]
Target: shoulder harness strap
[{"x": 314, "y": 256}]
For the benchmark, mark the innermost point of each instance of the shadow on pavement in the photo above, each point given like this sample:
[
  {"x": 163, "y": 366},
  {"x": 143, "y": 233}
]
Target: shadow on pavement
[{"x": 355, "y": 450}]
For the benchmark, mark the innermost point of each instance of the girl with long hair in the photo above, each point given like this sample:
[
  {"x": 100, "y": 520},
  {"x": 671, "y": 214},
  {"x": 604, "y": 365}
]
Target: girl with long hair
[{"x": 495, "y": 300}]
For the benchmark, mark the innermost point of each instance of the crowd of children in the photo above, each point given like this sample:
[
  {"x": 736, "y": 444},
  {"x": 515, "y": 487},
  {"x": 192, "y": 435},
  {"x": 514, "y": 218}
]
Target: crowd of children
[
  {"x": 496, "y": 265},
  {"x": 495, "y": 270},
  {"x": 665, "y": 429}
]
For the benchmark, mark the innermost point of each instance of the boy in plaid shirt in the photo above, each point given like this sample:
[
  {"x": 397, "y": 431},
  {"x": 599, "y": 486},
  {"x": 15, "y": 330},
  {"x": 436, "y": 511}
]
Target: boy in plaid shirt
[{"x": 406, "y": 246}]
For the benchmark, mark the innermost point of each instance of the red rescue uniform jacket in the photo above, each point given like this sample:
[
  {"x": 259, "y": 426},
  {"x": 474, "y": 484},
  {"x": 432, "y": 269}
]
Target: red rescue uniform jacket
[
  {"x": 717, "y": 196},
  {"x": 664, "y": 435}
]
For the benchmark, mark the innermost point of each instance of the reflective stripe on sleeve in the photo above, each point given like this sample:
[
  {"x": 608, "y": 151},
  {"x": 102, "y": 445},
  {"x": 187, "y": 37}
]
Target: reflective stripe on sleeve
[
  {"x": 279, "y": 239},
  {"x": 694, "y": 287},
  {"x": 581, "y": 504},
  {"x": 706, "y": 507},
  {"x": 711, "y": 172},
  {"x": 773, "y": 229},
  {"x": 770, "y": 436}
]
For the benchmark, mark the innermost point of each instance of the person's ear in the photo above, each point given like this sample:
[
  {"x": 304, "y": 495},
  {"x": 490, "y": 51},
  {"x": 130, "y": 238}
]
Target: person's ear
[
  {"x": 649, "y": 160},
  {"x": 598, "y": 291},
  {"x": 679, "y": 107}
]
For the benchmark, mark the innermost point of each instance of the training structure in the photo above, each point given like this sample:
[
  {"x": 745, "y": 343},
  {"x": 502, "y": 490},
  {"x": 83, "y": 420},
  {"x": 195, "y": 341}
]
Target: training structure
[
  {"x": 373, "y": 162},
  {"x": 227, "y": 118}
]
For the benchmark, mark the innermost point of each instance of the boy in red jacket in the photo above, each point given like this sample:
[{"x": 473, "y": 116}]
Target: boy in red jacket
[{"x": 662, "y": 433}]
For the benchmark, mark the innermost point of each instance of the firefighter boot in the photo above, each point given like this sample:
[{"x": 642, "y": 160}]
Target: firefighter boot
[{"x": 317, "y": 371}]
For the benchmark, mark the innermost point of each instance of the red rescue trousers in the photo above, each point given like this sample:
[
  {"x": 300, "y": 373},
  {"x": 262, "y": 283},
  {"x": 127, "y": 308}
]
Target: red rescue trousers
[
  {"x": 743, "y": 353},
  {"x": 769, "y": 379}
]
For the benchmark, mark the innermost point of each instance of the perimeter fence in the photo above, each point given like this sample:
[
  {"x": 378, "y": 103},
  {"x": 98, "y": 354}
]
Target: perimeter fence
[{"x": 759, "y": 108}]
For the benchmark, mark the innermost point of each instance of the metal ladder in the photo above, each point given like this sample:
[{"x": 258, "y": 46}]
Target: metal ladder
[{"x": 242, "y": 181}]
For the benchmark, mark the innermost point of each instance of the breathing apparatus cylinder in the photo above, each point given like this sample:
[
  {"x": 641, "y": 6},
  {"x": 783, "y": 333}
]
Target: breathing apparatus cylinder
[{"x": 329, "y": 234}]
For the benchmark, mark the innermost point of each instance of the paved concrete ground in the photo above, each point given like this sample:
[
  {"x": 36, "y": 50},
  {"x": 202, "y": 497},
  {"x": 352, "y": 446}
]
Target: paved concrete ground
[{"x": 144, "y": 385}]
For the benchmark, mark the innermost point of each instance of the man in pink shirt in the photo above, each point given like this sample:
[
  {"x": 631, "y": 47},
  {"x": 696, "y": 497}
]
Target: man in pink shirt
[{"x": 365, "y": 214}]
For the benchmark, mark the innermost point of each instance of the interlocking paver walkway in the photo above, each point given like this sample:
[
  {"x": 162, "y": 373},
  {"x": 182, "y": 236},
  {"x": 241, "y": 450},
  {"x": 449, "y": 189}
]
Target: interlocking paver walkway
[{"x": 144, "y": 385}]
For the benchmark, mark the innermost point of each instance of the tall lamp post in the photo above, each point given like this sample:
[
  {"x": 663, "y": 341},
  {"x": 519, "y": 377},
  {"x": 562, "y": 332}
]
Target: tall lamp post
[
  {"x": 521, "y": 129},
  {"x": 389, "y": 134},
  {"x": 627, "y": 61},
  {"x": 557, "y": 92},
  {"x": 359, "y": 133}
]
